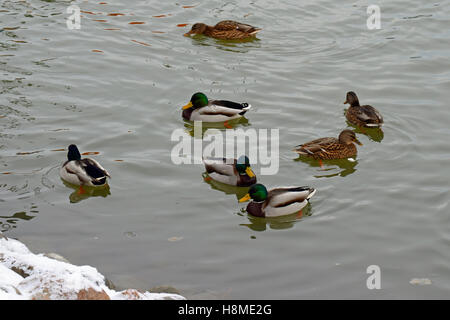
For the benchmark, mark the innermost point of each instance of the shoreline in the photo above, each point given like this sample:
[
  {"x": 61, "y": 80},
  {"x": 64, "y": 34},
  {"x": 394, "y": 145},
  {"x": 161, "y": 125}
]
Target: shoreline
[{"x": 25, "y": 275}]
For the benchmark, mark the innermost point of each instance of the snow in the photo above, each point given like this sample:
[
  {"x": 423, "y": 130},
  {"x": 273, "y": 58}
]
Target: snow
[{"x": 42, "y": 277}]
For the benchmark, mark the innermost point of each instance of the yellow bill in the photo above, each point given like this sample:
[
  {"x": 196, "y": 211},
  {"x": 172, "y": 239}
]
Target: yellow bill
[
  {"x": 189, "y": 105},
  {"x": 245, "y": 198},
  {"x": 249, "y": 172}
]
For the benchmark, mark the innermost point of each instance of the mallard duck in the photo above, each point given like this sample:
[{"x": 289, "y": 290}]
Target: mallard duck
[
  {"x": 81, "y": 172},
  {"x": 202, "y": 109},
  {"x": 276, "y": 202},
  {"x": 363, "y": 116},
  {"x": 330, "y": 148},
  {"x": 231, "y": 171},
  {"x": 225, "y": 30}
]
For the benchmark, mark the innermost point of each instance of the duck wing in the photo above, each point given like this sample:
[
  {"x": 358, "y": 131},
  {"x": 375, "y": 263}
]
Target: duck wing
[
  {"x": 222, "y": 166},
  {"x": 227, "y": 25},
  {"x": 227, "y": 108},
  {"x": 318, "y": 145},
  {"x": 285, "y": 196},
  {"x": 369, "y": 115}
]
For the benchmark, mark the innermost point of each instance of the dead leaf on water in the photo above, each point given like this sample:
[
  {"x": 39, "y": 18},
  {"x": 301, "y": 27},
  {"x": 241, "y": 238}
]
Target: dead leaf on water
[
  {"x": 26, "y": 153},
  {"x": 58, "y": 149},
  {"x": 182, "y": 24},
  {"x": 160, "y": 16},
  {"x": 158, "y": 31},
  {"x": 173, "y": 239},
  {"x": 140, "y": 42},
  {"x": 111, "y": 29},
  {"x": 100, "y": 20},
  {"x": 90, "y": 153},
  {"x": 136, "y": 22},
  {"x": 95, "y": 50},
  {"x": 115, "y": 14},
  {"x": 88, "y": 12}
]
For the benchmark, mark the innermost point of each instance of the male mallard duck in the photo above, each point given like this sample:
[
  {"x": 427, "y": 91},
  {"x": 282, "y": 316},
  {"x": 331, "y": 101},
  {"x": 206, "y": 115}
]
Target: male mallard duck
[
  {"x": 330, "y": 148},
  {"x": 231, "y": 171},
  {"x": 363, "y": 116},
  {"x": 277, "y": 202},
  {"x": 226, "y": 30},
  {"x": 202, "y": 109},
  {"x": 80, "y": 172}
]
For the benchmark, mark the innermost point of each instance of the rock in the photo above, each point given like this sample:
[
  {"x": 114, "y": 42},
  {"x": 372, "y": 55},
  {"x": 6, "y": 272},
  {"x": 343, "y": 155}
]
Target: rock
[
  {"x": 166, "y": 289},
  {"x": 91, "y": 294},
  {"x": 25, "y": 275}
]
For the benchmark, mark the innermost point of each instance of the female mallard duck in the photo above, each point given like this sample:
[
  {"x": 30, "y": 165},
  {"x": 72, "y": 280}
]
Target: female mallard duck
[
  {"x": 363, "y": 116},
  {"x": 277, "y": 202},
  {"x": 202, "y": 109},
  {"x": 231, "y": 171},
  {"x": 225, "y": 30},
  {"x": 330, "y": 148},
  {"x": 81, "y": 172}
]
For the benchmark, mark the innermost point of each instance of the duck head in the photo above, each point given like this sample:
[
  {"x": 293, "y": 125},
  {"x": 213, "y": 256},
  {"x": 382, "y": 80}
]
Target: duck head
[
  {"x": 257, "y": 192},
  {"x": 348, "y": 137}
]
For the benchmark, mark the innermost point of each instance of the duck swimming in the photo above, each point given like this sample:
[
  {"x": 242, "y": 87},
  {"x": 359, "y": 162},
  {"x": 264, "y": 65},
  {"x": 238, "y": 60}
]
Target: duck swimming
[
  {"x": 200, "y": 108},
  {"x": 231, "y": 171},
  {"x": 278, "y": 201},
  {"x": 330, "y": 148},
  {"x": 363, "y": 116},
  {"x": 225, "y": 30},
  {"x": 81, "y": 172}
]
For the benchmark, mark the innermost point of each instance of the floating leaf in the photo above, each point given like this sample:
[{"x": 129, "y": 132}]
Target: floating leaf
[
  {"x": 186, "y": 7},
  {"x": 6, "y": 172},
  {"x": 119, "y": 160},
  {"x": 160, "y": 16},
  {"x": 58, "y": 150},
  {"x": 158, "y": 32},
  {"x": 99, "y": 20},
  {"x": 95, "y": 50},
  {"x": 115, "y": 14},
  {"x": 90, "y": 153},
  {"x": 173, "y": 239},
  {"x": 143, "y": 43},
  {"x": 102, "y": 3},
  {"x": 182, "y": 24},
  {"x": 111, "y": 29},
  {"x": 88, "y": 12},
  {"x": 136, "y": 22}
]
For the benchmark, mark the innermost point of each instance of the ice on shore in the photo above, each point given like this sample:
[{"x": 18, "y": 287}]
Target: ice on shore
[{"x": 25, "y": 275}]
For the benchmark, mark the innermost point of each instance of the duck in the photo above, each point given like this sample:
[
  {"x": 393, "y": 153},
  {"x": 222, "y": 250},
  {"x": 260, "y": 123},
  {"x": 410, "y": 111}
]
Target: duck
[
  {"x": 278, "y": 201},
  {"x": 225, "y": 30},
  {"x": 231, "y": 171},
  {"x": 363, "y": 116},
  {"x": 200, "y": 108},
  {"x": 330, "y": 148},
  {"x": 82, "y": 172}
]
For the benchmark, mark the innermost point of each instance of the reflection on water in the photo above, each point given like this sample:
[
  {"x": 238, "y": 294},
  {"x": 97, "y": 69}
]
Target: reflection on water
[
  {"x": 276, "y": 223},
  {"x": 338, "y": 167},
  {"x": 237, "y": 46},
  {"x": 9, "y": 222},
  {"x": 86, "y": 192},
  {"x": 232, "y": 124},
  {"x": 374, "y": 134},
  {"x": 226, "y": 188}
]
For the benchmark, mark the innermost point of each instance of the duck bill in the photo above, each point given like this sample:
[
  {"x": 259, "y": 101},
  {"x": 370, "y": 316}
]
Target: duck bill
[
  {"x": 187, "y": 34},
  {"x": 346, "y": 101},
  {"x": 358, "y": 142},
  {"x": 249, "y": 172},
  {"x": 189, "y": 105},
  {"x": 245, "y": 198}
]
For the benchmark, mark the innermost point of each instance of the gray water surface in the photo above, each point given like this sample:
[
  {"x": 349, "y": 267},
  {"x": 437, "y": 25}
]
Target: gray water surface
[{"x": 116, "y": 89}]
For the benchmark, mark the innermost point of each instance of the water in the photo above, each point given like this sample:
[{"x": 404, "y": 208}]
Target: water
[{"x": 161, "y": 224}]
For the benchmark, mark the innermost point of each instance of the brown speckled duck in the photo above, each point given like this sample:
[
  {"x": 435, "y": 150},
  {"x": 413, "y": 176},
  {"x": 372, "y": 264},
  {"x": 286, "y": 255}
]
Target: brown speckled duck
[
  {"x": 363, "y": 116},
  {"x": 330, "y": 148},
  {"x": 225, "y": 30}
]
